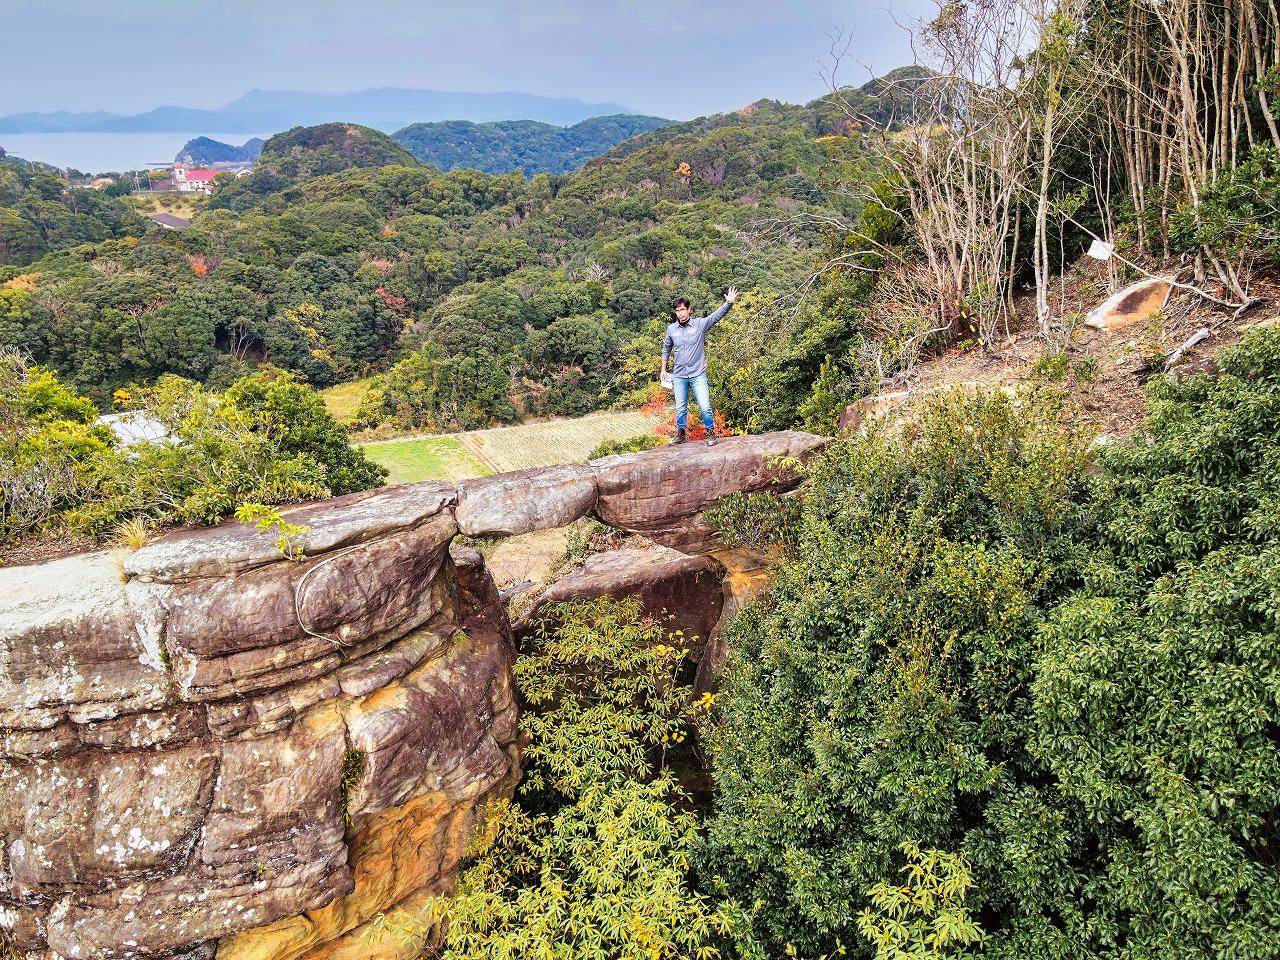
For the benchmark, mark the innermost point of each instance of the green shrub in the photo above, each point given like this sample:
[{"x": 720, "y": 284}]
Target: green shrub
[
  {"x": 52, "y": 456},
  {"x": 1236, "y": 217},
  {"x": 880, "y": 693},
  {"x": 1065, "y": 674},
  {"x": 1158, "y": 696},
  {"x": 266, "y": 440},
  {"x": 608, "y": 448},
  {"x": 755, "y": 519},
  {"x": 1052, "y": 367},
  {"x": 924, "y": 917}
]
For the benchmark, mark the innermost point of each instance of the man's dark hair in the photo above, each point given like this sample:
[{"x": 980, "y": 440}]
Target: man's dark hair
[{"x": 679, "y": 302}]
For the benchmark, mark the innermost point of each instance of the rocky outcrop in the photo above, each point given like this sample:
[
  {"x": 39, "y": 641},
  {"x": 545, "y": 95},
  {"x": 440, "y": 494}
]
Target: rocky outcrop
[
  {"x": 207, "y": 748},
  {"x": 679, "y": 591},
  {"x": 662, "y": 493},
  {"x": 526, "y": 500}
]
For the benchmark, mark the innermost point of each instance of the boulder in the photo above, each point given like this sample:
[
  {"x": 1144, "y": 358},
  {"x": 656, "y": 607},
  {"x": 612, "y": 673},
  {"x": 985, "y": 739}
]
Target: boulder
[
  {"x": 526, "y": 500},
  {"x": 661, "y": 493},
  {"x": 331, "y": 524},
  {"x": 681, "y": 592},
  {"x": 870, "y": 408},
  {"x": 1136, "y": 303},
  {"x": 296, "y": 620}
]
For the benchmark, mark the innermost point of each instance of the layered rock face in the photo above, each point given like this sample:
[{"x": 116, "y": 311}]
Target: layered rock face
[{"x": 209, "y": 750}]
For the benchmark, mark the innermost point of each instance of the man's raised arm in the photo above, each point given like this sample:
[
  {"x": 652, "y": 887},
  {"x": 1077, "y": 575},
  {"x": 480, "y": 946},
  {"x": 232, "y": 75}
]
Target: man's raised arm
[{"x": 730, "y": 295}]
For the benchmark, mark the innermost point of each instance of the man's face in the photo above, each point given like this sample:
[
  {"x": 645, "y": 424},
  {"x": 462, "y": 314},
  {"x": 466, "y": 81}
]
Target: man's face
[{"x": 682, "y": 314}]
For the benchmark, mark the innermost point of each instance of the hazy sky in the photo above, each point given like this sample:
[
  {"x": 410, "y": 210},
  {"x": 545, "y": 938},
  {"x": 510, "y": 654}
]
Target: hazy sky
[{"x": 674, "y": 58}]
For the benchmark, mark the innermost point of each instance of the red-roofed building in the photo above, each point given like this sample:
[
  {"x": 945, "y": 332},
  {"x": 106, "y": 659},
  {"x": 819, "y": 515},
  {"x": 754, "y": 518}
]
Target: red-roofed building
[{"x": 193, "y": 181}]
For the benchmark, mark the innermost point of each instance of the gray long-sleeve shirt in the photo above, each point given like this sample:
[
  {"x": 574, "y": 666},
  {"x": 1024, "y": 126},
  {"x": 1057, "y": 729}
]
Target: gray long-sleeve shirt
[{"x": 686, "y": 343}]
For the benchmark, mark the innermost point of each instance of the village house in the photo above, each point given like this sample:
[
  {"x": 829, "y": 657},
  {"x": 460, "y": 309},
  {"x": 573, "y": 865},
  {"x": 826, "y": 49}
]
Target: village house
[{"x": 193, "y": 181}]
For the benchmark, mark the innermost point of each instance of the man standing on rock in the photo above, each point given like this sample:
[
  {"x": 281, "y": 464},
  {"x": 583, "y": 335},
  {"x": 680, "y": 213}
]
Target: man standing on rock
[{"x": 686, "y": 343}]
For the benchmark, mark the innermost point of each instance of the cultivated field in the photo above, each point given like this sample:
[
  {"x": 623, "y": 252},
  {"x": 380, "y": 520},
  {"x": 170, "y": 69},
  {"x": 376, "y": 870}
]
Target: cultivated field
[
  {"x": 458, "y": 456},
  {"x": 426, "y": 458},
  {"x": 553, "y": 441}
]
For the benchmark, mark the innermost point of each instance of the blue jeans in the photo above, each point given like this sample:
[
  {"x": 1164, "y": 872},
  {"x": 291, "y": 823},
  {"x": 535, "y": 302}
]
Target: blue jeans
[{"x": 701, "y": 393}]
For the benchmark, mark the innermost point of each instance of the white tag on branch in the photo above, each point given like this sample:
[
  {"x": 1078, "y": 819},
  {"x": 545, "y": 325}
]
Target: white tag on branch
[{"x": 1101, "y": 250}]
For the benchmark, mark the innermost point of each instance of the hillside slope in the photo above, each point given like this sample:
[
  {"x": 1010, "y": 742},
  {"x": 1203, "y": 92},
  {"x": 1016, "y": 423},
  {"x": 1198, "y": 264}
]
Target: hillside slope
[{"x": 525, "y": 145}]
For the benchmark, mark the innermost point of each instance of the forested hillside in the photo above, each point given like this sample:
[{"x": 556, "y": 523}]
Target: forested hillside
[
  {"x": 341, "y": 254},
  {"x": 40, "y": 213},
  {"x": 502, "y": 146},
  {"x": 203, "y": 151}
]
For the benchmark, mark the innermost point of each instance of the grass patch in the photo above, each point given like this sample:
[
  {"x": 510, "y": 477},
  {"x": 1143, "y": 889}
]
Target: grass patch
[
  {"x": 343, "y": 400},
  {"x": 352, "y": 768},
  {"x": 426, "y": 458}
]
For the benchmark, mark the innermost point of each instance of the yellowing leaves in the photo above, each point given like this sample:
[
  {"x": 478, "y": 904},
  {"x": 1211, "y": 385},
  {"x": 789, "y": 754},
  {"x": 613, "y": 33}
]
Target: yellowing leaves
[{"x": 24, "y": 281}]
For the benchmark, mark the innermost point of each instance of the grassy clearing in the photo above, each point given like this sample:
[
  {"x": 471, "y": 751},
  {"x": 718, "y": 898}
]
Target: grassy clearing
[
  {"x": 425, "y": 458},
  {"x": 185, "y": 205},
  {"x": 343, "y": 400}
]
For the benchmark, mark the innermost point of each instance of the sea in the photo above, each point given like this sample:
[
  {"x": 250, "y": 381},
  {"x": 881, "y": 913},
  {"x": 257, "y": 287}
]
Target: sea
[{"x": 108, "y": 152}]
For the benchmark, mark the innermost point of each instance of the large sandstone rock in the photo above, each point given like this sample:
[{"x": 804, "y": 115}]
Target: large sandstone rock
[
  {"x": 526, "y": 500},
  {"x": 661, "y": 493},
  {"x": 435, "y": 748},
  {"x": 679, "y": 591},
  {"x": 339, "y": 522}
]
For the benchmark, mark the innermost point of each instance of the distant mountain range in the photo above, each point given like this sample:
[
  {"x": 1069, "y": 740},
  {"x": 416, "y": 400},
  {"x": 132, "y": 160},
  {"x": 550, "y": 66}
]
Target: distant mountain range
[{"x": 385, "y": 108}]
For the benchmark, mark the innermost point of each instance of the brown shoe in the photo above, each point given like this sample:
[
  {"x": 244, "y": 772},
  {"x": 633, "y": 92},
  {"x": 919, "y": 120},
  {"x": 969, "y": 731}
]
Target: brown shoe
[
  {"x": 711, "y": 441},
  {"x": 679, "y": 437}
]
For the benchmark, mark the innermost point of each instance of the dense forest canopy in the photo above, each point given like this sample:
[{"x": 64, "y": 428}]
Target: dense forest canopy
[{"x": 40, "y": 212}]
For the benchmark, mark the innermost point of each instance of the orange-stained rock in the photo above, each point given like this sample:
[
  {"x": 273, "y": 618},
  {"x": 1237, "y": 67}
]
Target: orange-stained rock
[
  {"x": 747, "y": 573},
  {"x": 1136, "y": 303}
]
